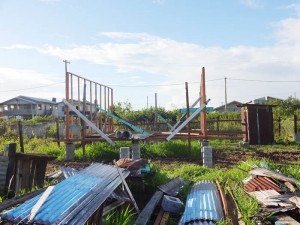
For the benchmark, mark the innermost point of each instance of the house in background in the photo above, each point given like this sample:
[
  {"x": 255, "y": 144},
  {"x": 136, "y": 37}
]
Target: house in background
[
  {"x": 230, "y": 107},
  {"x": 263, "y": 100},
  {"x": 27, "y": 107}
]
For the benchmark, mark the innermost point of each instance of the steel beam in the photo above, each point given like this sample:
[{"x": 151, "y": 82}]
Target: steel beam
[{"x": 187, "y": 120}]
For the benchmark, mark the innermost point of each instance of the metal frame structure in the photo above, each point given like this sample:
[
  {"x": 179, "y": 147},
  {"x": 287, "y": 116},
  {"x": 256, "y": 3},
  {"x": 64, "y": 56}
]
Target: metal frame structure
[
  {"x": 83, "y": 94},
  {"x": 94, "y": 101}
]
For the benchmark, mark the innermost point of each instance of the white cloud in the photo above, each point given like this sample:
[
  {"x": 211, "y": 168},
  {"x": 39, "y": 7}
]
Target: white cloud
[
  {"x": 30, "y": 83},
  {"x": 141, "y": 58},
  {"x": 176, "y": 62}
]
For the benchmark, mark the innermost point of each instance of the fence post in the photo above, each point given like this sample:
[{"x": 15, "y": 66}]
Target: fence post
[
  {"x": 57, "y": 132},
  {"x": 218, "y": 125},
  {"x": 295, "y": 124},
  {"x": 21, "y": 136}
]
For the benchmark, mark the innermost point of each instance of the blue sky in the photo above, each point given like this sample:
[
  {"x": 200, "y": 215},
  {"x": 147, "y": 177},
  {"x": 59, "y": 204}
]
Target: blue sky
[{"x": 143, "y": 47}]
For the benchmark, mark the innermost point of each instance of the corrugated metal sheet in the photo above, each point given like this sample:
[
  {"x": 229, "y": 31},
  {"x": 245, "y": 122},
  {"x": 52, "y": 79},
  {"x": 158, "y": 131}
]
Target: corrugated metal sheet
[
  {"x": 261, "y": 184},
  {"x": 73, "y": 200},
  {"x": 203, "y": 204},
  {"x": 172, "y": 187},
  {"x": 67, "y": 171}
]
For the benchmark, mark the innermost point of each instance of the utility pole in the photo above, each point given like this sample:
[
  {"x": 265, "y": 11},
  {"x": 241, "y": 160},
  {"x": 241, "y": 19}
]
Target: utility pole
[
  {"x": 147, "y": 102},
  {"x": 225, "y": 94},
  {"x": 155, "y": 118},
  {"x": 187, "y": 116},
  {"x": 66, "y": 66}
]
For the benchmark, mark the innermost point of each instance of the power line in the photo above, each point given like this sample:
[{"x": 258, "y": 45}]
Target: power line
[
  {"x": 22, "y": 89},
  {"x": 161, "y": 85},
  {"x": 266, "y": 81}
]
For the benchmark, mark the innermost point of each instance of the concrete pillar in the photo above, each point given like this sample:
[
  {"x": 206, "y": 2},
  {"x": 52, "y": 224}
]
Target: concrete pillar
[{"x": 70, "y": 151}]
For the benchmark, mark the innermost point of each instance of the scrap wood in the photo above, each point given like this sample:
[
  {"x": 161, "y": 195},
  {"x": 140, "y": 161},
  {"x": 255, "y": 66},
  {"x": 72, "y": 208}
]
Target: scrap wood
[
  {"x": 235, "y": 214},
  {"x": 290, "y": 186},
  {"x": 40, "y": 202},
  {"x": 267, "y": 211},
  {"x": 222, "y": 194},
  {"x": 266, "y": 197},
  {"x": 159, "y": 217},
  {"x": 131, "y": 164},
  {"x": 295, "y": 200},
  {"x": 285, "y": 219},
  {"x": 20, "y": 199},
  {"x": 146, "y": 213},
  {"x": 165, "y": 218},
  {"x": 278, "y": 176}
]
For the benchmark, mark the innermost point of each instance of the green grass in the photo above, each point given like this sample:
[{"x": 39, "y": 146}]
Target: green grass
[{"x": 124, "y": 217}]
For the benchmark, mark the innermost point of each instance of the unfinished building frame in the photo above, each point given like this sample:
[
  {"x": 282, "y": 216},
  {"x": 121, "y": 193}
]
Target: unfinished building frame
[{"x": 85, "y": 94}]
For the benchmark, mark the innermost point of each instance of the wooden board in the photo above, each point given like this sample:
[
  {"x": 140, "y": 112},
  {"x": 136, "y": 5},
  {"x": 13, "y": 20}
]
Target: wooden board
[{"x": 146, "y": 213}]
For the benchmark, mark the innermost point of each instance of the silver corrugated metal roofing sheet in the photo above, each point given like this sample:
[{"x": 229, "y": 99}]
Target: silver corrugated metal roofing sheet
[
  {"x": 203, "y": 204},
  {"x": 73, "y": 200}
]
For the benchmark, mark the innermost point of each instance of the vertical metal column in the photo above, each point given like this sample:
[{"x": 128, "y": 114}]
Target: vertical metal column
[{"x": 203, "y": 123}]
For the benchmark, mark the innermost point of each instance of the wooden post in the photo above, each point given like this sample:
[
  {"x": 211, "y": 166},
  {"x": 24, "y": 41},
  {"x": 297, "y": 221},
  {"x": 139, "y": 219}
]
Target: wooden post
[
  {"x": 279, "y": 126},
  {"x": 203, "y": 123},
  {"x": 21, "y": 136},
  {"x": 155, "y": 118},
  {"x": 188, "y": 115},
  {"x": 218, "y": 123},
  {"x": 57, "y": 132},
  {"x": 295, "y": 124},
  {"x": 10, "y": 152}
]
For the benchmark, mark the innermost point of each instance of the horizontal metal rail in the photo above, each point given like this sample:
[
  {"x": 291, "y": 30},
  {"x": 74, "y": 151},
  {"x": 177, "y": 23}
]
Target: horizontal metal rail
[{"x": 137, "y": 129}]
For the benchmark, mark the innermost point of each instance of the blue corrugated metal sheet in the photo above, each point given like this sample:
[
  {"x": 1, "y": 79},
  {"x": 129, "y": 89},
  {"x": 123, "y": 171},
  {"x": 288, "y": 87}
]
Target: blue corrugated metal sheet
[
  {"x": 73, "y": 200},
  {"x": 203, "y": 205},
  {"x": 68, "y": 171}
]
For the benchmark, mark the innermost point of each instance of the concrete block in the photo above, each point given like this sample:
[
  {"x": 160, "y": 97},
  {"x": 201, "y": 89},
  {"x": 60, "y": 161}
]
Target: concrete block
[{"x": 171, "y": 204}]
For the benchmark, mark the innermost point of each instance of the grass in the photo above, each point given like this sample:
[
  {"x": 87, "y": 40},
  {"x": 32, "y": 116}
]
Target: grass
[{"x": 169, "y": 160}]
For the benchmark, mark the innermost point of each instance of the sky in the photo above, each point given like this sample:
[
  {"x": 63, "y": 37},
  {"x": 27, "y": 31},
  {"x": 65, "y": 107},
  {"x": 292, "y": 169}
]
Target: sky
[{"x": 143, "y": 47}]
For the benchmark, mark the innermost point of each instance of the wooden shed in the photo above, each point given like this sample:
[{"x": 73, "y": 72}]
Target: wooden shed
[{"x": 257, "y": 124}]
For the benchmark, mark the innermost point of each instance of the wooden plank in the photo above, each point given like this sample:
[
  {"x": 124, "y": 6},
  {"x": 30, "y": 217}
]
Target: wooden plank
[
  {"x": 146, "y": 213},
  {"x": 222, "y": 194},
  {"x": 25, "y": 174},
  {"x": 40, "y": 171},
  {"x": 32, "y": 174},
  {"x": 127, "y": 188},
  {"x": 285, "y": 220},
  {"x": 40, "y": 202},
  {"x": 165, "y": 218},
  {"x": 20, "y": 199},
  {"x": 159, "y": 217},
  {"x": 234, "y": 213}
]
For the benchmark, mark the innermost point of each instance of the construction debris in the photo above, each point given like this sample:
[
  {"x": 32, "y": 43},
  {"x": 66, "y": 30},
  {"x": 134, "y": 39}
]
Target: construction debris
[
  {"x": 203, "y": 204},
  {"x": 75, "y": 199},
  {"x": 275, "y": 193}
]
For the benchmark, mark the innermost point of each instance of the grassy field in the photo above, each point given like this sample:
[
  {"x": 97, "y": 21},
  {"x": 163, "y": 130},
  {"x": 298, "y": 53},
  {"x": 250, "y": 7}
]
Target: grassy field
[{"x": 172, "y": 159}]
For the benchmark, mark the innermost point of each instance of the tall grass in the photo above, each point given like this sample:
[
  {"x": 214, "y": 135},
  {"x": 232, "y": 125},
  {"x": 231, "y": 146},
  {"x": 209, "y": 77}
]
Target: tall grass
[{"x": 123, "y": 217}]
